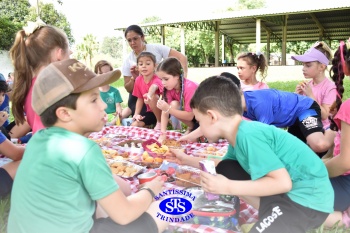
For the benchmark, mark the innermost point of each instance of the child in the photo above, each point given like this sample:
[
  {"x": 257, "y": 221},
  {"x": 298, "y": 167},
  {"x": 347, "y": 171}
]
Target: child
[
  {"x": 148, "y": 87},
  {"x": 319, "y": 88},
  {"x": 36, "y": 46},
  {"x": 63, "y": 174},
  {"x": 109, "y": 94},
  {"x": 248, "y": 65},
  {"x": 177, "y": 94},
  {"x": 267, "y": 167},
  {"x": 339, "y": 165}
]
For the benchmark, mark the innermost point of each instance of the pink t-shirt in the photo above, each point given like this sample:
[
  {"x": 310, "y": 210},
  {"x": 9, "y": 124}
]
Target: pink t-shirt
[
  {"x": 33, "y": 119},
  {"x": 258, "y": 86},
  {"x": 141, "y": 88},
  {"x": 190, "y": 88},
  {"x": 325, "y": 93},
  {"x": 342, "y": 115}
]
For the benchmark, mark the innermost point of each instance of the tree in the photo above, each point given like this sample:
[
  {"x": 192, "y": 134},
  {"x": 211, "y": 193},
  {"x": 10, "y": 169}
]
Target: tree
[
  {"x": 51, "y": 16},
  {"x": 87, "y": 48},
  {"x": 8, "y": 30},
  {"x": 15, "y": 11},
  {"x": 112, "y": 46}
]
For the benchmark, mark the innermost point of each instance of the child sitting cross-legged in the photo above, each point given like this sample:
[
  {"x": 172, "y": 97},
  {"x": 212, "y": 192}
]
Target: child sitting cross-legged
[
  {"x": 267, "y": 167},
  {"x": 63, "y": 174}
]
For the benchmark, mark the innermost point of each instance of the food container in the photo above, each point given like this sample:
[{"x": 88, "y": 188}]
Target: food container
[
  {"x": 220, "y": 213},
  {"x": 187, "y": 176},
  {"x": 133, "y": 146},
  {"x": 210, "y": 152},
  {"x": 155, "y": 149},
  {"x": 125, "y": 169},
  {"x": 146, "y": 177}
]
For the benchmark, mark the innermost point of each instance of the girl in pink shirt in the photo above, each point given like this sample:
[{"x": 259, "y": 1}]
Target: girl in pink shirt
[
  {"x": 318, "y": 87},
  {"x": 339, "y": 165},
  {"x": 34, "y": 48},
  {"x": 148, "y": 87},
  {"x": 248, "y": 64},
  {"x": 177, "y": 94}
]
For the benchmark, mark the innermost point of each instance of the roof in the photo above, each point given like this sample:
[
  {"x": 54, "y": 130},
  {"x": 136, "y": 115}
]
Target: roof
[{"x": 319, "y": 22}]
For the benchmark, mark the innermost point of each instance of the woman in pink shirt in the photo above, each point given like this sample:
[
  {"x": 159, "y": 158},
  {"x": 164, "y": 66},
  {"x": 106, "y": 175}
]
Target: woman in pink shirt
[
  {"x": 248, "y": 64},
  {"x": 36, "y": 46},
  {"x": 147, "y": 88},
  {"x": 177, "y": 94},
  {"x": 318, "y": 87}
]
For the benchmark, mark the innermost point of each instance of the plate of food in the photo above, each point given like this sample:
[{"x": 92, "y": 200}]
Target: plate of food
[{"x": 125, "y": 169}]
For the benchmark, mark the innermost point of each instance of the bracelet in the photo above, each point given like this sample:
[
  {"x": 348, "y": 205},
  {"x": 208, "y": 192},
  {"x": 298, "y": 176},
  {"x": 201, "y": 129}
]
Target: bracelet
[
  {"x": 168, "y": 109},
  {"x": 149, "y": 190}
]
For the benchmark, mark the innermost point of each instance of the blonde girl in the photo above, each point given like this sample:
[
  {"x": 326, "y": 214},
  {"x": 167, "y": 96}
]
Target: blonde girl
[{"x": 248, "y": 64}]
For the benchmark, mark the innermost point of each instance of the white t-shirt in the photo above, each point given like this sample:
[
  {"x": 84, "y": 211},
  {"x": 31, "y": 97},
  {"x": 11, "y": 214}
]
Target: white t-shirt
[{"x": 159, "y": 50}]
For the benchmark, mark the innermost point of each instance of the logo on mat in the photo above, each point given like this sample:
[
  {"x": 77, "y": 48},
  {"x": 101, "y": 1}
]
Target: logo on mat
[{"x": 176, "y": 205}]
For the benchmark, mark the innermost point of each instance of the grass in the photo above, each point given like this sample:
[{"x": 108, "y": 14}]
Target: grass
[{"x": 285, "y": 86}]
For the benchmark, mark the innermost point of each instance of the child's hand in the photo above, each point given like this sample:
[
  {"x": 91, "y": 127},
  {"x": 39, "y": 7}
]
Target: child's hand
[
  {"x": 162, "y": 137},
  {"x": 187, "y": 138},
  {"x": 213, "y": 183},
  {"x": 138, "y": 117},
  {"x": 147, "y": 98},
  {"x": 179, "y": 156},
  {"x": 307, "y": 90},
  {"x": 156, "y": 185},
  {"x": 3, "y": 117},
  {"x": 162, "y": 105}
]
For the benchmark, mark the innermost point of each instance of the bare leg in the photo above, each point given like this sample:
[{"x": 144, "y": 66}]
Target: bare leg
[{"x": 11, "y": 168}]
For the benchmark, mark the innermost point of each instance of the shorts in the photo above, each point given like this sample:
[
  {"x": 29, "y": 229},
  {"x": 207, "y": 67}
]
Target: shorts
[
  {"x": 341, "y": 186},
  {"x": 145, "y": 223},
  {"x": 308, "y": 122},
  {"x": 150, "y": 118},
  {"x": 278, "y": 213},
  {"x": 132, "y": 105},
  {"x": 6, "y": 182}
]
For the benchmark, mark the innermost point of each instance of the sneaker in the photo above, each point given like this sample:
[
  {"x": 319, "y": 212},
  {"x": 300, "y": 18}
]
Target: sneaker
[
  {"x": 157, "y": 126},
  {"x": 346, "y": 217}
]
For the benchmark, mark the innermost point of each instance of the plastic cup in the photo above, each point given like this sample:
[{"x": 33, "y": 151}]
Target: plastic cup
[{"x": 146, "y": 177}]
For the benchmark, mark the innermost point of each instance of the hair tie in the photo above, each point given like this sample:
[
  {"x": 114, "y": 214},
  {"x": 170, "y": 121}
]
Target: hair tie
[{"x": 33, "y": 26}]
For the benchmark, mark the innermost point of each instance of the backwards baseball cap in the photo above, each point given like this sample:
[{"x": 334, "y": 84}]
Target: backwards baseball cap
[
  {"x": 312, "y": 55},
  {"x": 62, "y": 78},
  {"x": 2, "y": 78}
]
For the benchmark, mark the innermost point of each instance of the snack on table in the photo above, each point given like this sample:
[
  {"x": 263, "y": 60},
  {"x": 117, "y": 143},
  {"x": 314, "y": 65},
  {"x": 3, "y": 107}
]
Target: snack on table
[
  {"x": 210, "y": 151},
  {"x": 125, "y": 169},
  {"x": 171, "y": 143},
  {"x": 187, "y": 176}
]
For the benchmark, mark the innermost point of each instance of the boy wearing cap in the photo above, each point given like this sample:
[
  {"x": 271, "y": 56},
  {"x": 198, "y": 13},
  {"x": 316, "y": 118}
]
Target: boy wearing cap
[
  {"x": 267, "y": 167},
  {"x": 63, "y": 174}
]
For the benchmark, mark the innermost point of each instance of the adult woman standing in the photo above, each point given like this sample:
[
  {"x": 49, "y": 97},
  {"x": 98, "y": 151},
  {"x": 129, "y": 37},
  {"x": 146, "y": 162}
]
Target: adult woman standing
[{"x": 137, "y": 42}]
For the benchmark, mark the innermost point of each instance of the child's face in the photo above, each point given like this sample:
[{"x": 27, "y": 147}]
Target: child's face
[
  {"x": 312, "y": 69},
  {"x": 245, "y": 71},
  {"x": 208, "y": 125},
  {"x": 105, "y": 69},
  {"x": 169, "y": 82},
  {"x": 90, "y": 115},
  {"x": 2, "y": 97},
  {"x": 145, "y": 66}
]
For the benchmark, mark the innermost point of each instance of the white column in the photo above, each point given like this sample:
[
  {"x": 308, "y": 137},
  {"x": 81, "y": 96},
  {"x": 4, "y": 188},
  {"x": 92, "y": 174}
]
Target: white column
[
  {"x": 222, "y": 48},
  {"x": 258, "y": 30},
  {"x": 182, "y": 32}
]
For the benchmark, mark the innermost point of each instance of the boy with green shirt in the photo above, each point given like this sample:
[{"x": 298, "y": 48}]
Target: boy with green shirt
[
  {"x": 267, "y": 167},
  {"x": 63, "y": 175}
]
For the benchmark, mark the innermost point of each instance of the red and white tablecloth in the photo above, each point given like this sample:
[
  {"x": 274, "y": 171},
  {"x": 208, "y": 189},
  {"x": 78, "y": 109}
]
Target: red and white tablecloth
[{"x": 247, "y": 213}]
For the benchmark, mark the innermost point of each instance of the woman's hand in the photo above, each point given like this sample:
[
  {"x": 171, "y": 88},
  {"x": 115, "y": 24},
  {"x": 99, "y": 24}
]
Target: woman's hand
[
  {"x": 156, "y": 185},
  {"x": 134, "y": 71},
  {"x": 162, "y": 105}
]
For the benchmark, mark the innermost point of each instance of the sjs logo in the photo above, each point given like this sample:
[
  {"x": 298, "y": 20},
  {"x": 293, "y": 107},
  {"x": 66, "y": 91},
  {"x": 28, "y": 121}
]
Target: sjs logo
[{"x": 175, "y": 206}]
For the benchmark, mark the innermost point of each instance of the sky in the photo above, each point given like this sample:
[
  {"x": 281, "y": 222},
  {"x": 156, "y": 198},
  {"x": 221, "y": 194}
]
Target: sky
[{"x": 101, "y": 17}]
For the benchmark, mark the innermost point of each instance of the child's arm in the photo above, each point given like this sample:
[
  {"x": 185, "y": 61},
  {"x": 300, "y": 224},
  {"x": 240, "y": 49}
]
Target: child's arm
[
  {"x": 153, "y": 88},
  {"x": 124, "y": 210},
  {"x": 138, "y": 107},
  {"x": 277, "y": 181},
  {"x": 119, "y": 109},
  {"x": 11, "y": 150},
  {"x": 183, "y": 159},
  {"x": 192, "y": 137},
  {"x": 163, "y": 126}
]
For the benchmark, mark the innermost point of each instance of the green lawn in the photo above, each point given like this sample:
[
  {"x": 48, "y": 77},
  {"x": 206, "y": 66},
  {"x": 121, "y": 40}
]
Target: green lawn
[{"x": 286, "y": 86}]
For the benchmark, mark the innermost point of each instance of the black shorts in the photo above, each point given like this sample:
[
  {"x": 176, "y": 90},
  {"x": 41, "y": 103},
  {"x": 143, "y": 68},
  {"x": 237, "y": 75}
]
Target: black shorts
[
  {"x": 150, "y": 118},
  {"x": 6, "y": 182},
  {"x": 145, "y": 223},
  {"x": 308, "y": 122},
  {"x": 132, "y": 105},
  {"x": 278, "y": 213}
]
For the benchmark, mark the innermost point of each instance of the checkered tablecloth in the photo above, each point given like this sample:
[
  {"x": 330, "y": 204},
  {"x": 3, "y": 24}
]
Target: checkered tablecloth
[{"x": 247, "y": 213}]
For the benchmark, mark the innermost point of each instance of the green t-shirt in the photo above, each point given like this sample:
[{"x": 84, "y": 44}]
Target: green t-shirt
[
  {"x": 261, "y": 148},
  {"x": 111, "y": 98},
  {"x": 61, "y": 176}
]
